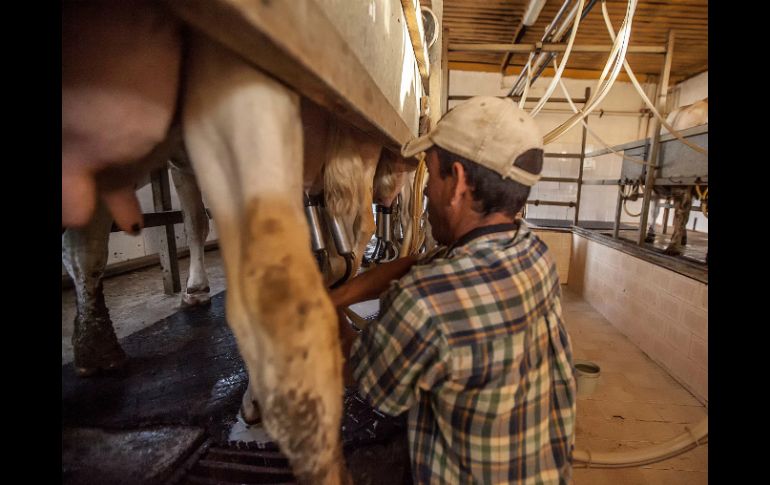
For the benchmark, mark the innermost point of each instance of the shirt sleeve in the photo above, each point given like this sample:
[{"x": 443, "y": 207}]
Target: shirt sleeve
[{"x": 396, "y": 356}]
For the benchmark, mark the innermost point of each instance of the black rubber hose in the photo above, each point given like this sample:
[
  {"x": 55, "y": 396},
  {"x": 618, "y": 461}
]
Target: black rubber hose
[{"x": 348, "y": 270}]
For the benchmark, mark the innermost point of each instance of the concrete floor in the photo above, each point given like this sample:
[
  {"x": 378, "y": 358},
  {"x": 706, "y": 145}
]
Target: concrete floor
[{"x": 636, "y": 402}]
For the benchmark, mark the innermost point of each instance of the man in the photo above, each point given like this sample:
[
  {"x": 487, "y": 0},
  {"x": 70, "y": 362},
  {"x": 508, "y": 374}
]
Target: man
[{"x": 472, "y": 344}]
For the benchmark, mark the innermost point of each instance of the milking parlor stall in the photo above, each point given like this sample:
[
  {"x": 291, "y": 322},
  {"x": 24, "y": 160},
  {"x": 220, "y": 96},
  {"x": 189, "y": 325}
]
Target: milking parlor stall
[{"x": 261, "y": 144}]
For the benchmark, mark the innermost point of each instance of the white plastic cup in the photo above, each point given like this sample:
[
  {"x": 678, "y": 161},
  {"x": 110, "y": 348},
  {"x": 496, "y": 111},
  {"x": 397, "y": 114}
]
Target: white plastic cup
[{"x": 587, "y": 375}]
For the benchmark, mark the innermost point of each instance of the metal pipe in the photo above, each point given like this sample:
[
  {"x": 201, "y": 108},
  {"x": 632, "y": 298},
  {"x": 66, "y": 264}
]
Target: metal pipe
[
  {"x": 549, "y": 47},
  {"x": 551, "y": 202},
  {"x": 543, "y": 59},
  {"x": 545, "y": 37},
  {"x": 387, "y": 230},
  {"x": 376, "y": 250},
  {"x": 531, "y": 14},
  {"x": 384, "y": 248},
  {"x": 341, "y": 241},
  {"x": 661, "y": 102},
  {"x": 313, "y": 216},
  {"x": 548, "y": 35},
  {"x": 582, "y": 160},
  {"x": 322, "y": 259},
  {"x": 616, "y": 226}
]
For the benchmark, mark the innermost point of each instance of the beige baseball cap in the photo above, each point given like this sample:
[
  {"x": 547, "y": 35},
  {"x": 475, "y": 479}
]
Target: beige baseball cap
[{"x": 490, "y": 131}]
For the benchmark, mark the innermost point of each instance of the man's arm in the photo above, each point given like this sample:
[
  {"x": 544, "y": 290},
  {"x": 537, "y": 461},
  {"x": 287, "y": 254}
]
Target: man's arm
[{"x": 371, "y": 284}]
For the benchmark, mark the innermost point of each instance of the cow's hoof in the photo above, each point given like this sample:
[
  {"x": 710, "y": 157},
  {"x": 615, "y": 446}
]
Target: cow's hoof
[
  {"x": 673, "y": 251},
  {"x": 196, "y": 297},
  {"x": 96, "y": 348},
  {"x": 87, "y": 367},
  {"x": 109, "y": 367},
  {"x": 250, "y": 416}
]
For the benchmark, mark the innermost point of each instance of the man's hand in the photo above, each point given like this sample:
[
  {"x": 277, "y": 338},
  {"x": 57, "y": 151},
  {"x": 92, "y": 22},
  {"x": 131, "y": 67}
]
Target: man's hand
[
  {"x": 361, "y": 288},
  {"x": 347, "y": 337},
  {"x": 371, "y": 284}
]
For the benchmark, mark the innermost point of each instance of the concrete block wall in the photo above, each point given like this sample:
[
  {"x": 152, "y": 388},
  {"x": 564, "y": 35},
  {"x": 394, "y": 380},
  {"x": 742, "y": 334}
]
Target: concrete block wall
[
  {"x": 664, "y": 313},
  {"x": 560, "y": 248}
]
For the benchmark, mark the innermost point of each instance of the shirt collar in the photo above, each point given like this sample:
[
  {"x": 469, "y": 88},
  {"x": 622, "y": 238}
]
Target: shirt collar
[{"x": 520, "y": 227}]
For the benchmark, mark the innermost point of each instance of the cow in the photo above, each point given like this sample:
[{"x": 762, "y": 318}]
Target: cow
[
  {"x": 243, "y": 131},
  {"x": 681, "y": 118},
  {"x": 84, "y": 255}
]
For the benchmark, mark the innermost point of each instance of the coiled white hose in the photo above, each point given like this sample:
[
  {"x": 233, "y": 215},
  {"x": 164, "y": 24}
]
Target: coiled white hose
[{"x": 686, "y": 441}]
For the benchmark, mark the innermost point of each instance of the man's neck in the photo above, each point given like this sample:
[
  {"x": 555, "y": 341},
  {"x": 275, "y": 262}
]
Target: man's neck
[{"x": 468, "y": 224}]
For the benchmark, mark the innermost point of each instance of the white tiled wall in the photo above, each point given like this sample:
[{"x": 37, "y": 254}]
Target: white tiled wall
[{"x": 597, "y": 202}]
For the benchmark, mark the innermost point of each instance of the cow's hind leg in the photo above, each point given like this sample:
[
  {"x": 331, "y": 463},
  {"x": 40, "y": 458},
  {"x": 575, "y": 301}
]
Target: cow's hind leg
[
  {"x": 196, "y": 224},
  {"x": 682, "y": 206},
  {"x": 84, "y": 254},
  {"x": 655, "y": 211},
  {"x": 244, "y": 137}
]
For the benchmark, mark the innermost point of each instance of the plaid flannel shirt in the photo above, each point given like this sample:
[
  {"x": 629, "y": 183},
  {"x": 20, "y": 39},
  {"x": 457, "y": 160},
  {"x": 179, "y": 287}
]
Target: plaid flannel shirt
[{"x": 473, "y": 345}]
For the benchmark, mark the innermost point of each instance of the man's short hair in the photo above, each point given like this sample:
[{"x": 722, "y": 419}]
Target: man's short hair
[{"x": 490, "y": 191}]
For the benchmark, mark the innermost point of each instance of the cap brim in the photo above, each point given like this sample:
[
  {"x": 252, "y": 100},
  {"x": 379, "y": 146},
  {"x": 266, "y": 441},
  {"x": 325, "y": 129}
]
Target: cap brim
[{"x": 412, "y": 148}]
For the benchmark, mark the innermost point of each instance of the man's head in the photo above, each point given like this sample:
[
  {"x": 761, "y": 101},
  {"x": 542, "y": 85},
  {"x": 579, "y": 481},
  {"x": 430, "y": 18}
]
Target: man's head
[{"x": 483, "y": 157}]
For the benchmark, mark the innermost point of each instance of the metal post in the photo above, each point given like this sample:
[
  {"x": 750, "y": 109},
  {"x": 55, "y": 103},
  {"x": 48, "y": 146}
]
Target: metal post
[
  {"x": 444, "y": 71},
  {"x": 665, "y": 218},
  {"x": 653, "y": 160},
  {"x": 169, "y": 262},
  {"x": 616, "y": 227},
  {"x": 582, "y": 160},
  {"x": 435, "y": 54}
]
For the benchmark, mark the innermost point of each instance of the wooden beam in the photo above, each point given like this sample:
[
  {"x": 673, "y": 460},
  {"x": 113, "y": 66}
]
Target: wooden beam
[
  {"x": 548, "y": 47},
  {"x": 568, "y": 73},
  {"x": 277, "y": 37},
  {"x": 169, "y": 261}
]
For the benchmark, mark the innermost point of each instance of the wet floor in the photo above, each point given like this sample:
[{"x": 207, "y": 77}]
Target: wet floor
[{"x": 185, "y": 375}]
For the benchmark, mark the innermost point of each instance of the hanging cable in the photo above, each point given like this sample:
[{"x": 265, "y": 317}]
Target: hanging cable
[
  {"x": 641, "y": 92},
  {"x": 606, "y": 80},
  {"x": 558, "y": 73},
  {"x": 528, "y": 67},
  {"x": 596, "y": 137}
]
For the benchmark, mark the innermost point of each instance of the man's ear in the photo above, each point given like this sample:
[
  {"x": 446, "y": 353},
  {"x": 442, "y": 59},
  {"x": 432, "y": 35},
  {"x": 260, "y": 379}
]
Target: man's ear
[{"x": 459, "y": 183}]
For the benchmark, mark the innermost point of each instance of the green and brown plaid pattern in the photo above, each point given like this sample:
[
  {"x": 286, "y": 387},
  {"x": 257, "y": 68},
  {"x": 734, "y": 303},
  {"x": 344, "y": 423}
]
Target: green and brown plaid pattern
[{"x": 474, "y": 346}]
